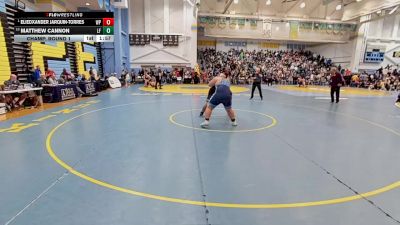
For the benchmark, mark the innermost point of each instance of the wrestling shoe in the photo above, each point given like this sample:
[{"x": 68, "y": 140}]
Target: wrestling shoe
[
  {"x": 205, "y": 124},
  {"x": 234, "y": 123}
]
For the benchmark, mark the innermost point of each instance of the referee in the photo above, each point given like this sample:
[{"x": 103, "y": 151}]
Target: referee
[
  {"x": 158, "y": 76},
  {"x": 337, "y": 81},
  {"x": 257, "y": 78}
]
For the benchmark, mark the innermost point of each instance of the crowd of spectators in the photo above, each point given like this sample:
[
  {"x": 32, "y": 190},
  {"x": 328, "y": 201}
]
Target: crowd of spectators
[
  {"x": 183, "y": 75},
  {"x": 290, "y": 67},
  {"x": 50, "y": 77},
  {"x": 386, "y": 78},
  {"x": 279, "y": 67},
  {"x": 19, "y": 100}
]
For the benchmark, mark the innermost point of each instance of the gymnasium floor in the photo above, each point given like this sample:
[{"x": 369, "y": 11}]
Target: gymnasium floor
[{"x": 134, "y": 157}]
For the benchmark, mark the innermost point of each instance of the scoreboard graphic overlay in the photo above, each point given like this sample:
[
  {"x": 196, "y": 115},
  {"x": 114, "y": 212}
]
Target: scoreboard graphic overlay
[{"x": 64, "y": 27}]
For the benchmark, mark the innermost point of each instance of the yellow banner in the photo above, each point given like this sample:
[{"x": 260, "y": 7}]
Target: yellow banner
[
  {"x": 5, "y": 70},
  {"x": 269, "y": 45},
  {"x": 206, "y": 43},
  {"x": 294, "y": 30}
]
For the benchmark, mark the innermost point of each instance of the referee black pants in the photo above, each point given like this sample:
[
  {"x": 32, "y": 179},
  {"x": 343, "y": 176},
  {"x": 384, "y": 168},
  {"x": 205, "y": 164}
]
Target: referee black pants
[
  {"x": 258, "y": 85},
  {"x": 333, "y": 91},
  {"x": 158, "y": 82}
]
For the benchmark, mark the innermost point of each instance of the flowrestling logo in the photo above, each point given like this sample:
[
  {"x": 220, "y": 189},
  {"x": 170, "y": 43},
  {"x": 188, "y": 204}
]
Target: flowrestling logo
[{"x": 67, "y": 93}]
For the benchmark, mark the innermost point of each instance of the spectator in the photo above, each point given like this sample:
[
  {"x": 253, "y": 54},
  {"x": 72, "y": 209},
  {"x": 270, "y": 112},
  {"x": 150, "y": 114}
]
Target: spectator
[
  {"x": 51, "y": 77},
  {"x": 36, "y": 75},
  {"x": 147, "y": 79},
  {"x": 12, "y": 83},
  {"x": 13, "y": 100},
  {"x": 93, "y": 74},
  {"x": 67, "y": 76},
  {"x": 42, "y": 80}
]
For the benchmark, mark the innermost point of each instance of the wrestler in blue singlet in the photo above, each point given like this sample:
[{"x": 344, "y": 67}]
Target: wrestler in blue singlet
[{"x": 222, "y": 95}]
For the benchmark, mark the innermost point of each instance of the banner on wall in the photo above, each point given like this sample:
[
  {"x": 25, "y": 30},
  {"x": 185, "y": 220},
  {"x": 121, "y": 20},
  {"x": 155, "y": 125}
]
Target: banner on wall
[
  {"x": 222, "y": 22},
  {"x": 235, "y": 43},
  {"x": 294, "y": 30},
  {"x": 203, "y": 21},
  {"x": 338, "y": 29},
  {"x": 329, "y": 29},
  {"x": 211, "y": 22},
  {"x": 241, "y": 22},
  {"x": 211, "y": 43},
  {"x": 269, "y": 45},
  {"x": 305, "y": 26},
  {"x": 267, "y": 28},
  {"x": 253, "y": 23},
  {"x": 233, "y": 22}
]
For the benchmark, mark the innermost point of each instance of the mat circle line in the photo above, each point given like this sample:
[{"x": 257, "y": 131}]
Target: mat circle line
[
  {"x": 133, "y": 192},
  {"x": 173, "y": 121}
]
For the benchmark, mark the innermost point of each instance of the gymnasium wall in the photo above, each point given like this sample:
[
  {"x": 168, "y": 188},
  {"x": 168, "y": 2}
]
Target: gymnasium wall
[
  {"x": 50, "y": 55},
  {"x": 55, "y": 55},
  {"x": 164, "y": 17},
  {"x": 5, "y": 48},
  {"x": 116, "y": 54},
  {"x": 86, "y": 57},
  {"x": 339, "y": 53},
  {"x": 278, "y": 31},
  {"x": 383, "y": 32}
]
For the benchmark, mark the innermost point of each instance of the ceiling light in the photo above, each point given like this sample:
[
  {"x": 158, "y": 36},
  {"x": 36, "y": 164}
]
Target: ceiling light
[
  {"x": 87, "y": 3},
  {"x": 268, "y": 2},
  {"x": 379, "y": 11},
  {"x": 358, "y": 0},
  {"x": 302, "y": 5},
  {"x": 393, "y": 10},
  {"x": 338, "y": 7},
  {"x": 236, "y": 1}
]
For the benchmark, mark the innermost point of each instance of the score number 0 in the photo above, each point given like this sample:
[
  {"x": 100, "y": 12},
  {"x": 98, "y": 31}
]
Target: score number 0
[{"x": 108, "y": 25}]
